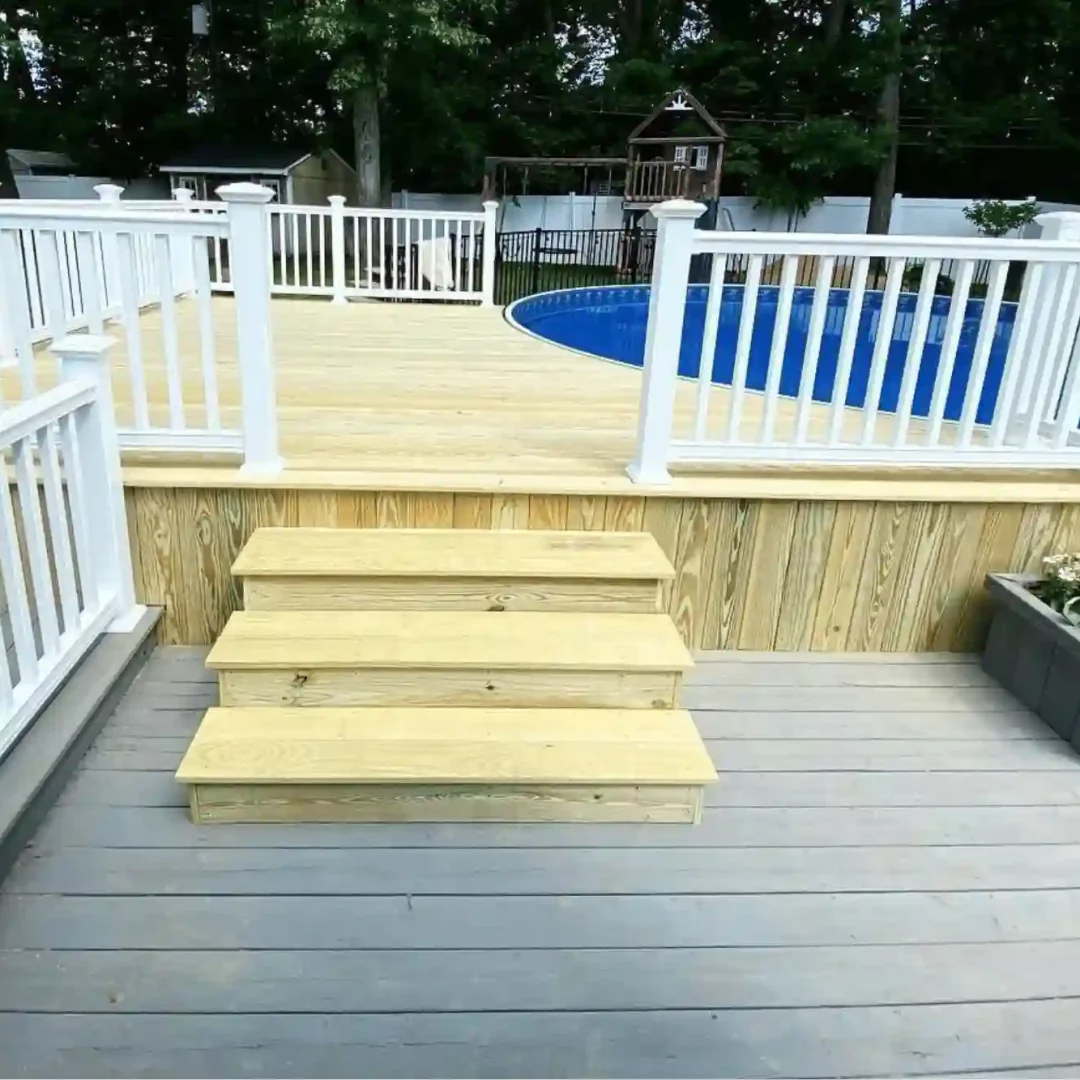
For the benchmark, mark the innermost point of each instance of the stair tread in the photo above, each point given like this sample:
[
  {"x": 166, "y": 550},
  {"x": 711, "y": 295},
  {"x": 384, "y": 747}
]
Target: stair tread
[
  {"x": 448, "y": 746},
  {"x": 480, "y": 553},
  {"x": 524, "y": 641}
]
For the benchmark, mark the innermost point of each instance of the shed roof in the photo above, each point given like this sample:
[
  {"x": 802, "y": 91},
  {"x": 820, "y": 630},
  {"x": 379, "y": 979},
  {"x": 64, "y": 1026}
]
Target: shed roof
[
  {"x": 259, "y": 159},
  {"x": 40, "y": 159}
]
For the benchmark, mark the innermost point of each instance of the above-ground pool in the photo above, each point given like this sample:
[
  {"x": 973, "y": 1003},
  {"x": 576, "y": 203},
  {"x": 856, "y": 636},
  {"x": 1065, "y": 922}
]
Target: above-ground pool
[{"x": 610, "y": 322}]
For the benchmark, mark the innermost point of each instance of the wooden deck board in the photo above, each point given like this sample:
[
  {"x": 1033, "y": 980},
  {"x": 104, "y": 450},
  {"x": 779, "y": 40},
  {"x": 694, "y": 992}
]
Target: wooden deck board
[
  {"x": 819, "y": 922},
  {"x": 435, "y": 397}
]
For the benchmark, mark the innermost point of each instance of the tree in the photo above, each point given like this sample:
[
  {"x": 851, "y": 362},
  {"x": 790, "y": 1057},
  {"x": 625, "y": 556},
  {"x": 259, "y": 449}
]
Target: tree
[
  {"x": 891, "y": 25},
  {"x": 365, "y": 40}
]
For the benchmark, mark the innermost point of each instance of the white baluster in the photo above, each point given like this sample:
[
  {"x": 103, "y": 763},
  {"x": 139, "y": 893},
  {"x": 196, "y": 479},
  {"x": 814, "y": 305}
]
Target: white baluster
[
  {"x": 778, "y": 348},
  {"x": 251, "y": 283},
  {"x": 890, "y": 300},
  {"x": 663, "y": 337},
  {"x": 848, "y": 339},
  {"x": 742, "y": 347},
  {"x": 36, "y": 548},
  {"x": 950, "y": 344},
  {"x": 814, "y": 333},
  {"x": 924, "y": 307},
  {"x": 987, "y": 331},
  {"x": 713, "y": 308}
]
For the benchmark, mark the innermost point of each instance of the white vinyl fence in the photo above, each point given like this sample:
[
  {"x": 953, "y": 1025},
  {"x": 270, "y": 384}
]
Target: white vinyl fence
[
  {"x": 65, "y": 560},
  {"x": 874, "y": 350}
]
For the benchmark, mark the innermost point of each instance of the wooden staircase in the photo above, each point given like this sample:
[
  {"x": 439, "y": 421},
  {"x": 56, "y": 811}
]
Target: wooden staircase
[{"x": 448, "y": 675}]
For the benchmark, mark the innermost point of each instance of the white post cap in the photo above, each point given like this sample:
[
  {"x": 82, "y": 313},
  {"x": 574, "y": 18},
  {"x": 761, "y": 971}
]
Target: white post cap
[
  {"x": 678, "y": 208},
  {"x": 83, "y": 344},
  {"x": 336, "y": 200},
  {"x": 245, "y": 192},
  {"x": 108, "y": 192}
]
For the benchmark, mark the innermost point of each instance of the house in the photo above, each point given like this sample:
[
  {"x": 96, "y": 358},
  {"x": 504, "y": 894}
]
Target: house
[
  {"x": 676, "y": 152},
  {"x": 296, "y": 176},
  {"x": 40, "y": 163}
]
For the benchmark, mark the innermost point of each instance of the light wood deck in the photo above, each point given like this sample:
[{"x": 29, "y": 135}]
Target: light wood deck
[
  {"x": 430, "y": 397},
  {"x": 885, "y": 882}
]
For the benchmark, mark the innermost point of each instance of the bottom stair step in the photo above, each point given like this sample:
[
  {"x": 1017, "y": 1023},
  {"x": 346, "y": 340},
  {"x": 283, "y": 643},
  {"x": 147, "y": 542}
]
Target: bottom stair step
[{"x": 390, "y": 764}]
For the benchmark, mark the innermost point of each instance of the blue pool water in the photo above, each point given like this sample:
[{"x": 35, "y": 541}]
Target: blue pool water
[{"x": 610, "y": 322}]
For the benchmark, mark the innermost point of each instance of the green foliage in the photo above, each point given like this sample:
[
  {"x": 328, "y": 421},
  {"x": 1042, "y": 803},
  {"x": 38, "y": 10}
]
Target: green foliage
[
  {"x": 993, "y": 217},
  {"x": 990, "y": 88},
  {"x": 1060, "y": 586}
]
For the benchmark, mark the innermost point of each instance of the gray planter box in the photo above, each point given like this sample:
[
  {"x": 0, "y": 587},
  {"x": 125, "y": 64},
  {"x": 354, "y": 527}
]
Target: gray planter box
[{"x": 1034, "y": 653}]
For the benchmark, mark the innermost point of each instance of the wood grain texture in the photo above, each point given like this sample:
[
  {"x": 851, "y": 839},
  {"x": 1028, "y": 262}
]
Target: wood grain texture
[
  {"x": 489, "y": 748},
  {"x": 292, "y": 803},
  {"x": 756, "y": 574}
]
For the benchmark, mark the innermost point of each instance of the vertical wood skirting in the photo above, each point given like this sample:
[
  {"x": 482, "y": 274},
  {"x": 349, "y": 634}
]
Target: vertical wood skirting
[{"x": 769, "y": 574}]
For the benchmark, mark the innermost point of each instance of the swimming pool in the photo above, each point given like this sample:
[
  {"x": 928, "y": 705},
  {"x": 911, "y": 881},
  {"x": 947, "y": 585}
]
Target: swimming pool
[{"x": 610, "y": 322}]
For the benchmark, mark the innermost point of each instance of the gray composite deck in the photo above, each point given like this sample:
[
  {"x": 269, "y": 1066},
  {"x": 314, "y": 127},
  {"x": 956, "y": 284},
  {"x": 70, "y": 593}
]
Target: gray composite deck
[{"x": 886, "y": 882}]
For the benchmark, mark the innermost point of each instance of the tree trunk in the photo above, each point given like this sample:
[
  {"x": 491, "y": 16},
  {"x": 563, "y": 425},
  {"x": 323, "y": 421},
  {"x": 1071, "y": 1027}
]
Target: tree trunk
[
  {"x": 8, "y": 188},
  {"x": 834, "y": 22},
  {"x": 881, "y": 198},
  {"x": 365, "y": 110}
]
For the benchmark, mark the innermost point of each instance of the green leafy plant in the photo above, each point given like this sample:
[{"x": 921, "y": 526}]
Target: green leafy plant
[
  {"x": 1060, "y": 586},
  {"x": 993, "y": 217},
  {"x": 913, "y": 276}
]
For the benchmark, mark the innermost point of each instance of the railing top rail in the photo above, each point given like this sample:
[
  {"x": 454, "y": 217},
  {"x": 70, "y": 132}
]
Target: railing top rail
[
  {"x": 383, "y": 212},
  {"x": 920, "y": 247},
  {"x": 28, "y": 417},
  {"x": 111, "y": 220}
]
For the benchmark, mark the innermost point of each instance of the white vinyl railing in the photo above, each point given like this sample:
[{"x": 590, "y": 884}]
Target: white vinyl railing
[
  {"x": 888, "y": 350},
  {"x": 341, "y": 252},
  {"x": 65, "y": 559},
  {"x": 66, "y": 267},
  {"x": 74, "y": 264}
]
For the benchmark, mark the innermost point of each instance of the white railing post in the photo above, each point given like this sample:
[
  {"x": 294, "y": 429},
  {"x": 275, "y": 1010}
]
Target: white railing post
[
  {"x": 84, "y": 357},
  {"x": 110, "y": 253},
  {"x": 663, "y": 337},
  {"x": 488, "y": 264},
  {"x": 249, "y": 261},
  {"x": 182, "y": 248},
  {"x": 337, "y": 246}
]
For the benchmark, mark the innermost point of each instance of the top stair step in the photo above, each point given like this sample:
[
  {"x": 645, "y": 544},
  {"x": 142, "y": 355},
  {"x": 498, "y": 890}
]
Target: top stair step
[{"x": 451, "y": 569}]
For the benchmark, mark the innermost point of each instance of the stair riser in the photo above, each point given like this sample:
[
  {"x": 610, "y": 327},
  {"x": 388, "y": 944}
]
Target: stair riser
[
  {"x": 290, "y": 803},
  {"x": 450, "y": 687},
  {"x": 448, "y": 594}
]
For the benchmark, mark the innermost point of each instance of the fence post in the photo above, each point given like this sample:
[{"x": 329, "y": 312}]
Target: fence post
[
  {"x": 337, "y": 246},
  {"x": 663, "y": 337},
  {"x": 182, "y": 248},
  {"x": 86, "y": 357},
  {"x": 249, "y": 260},
  {"x": 538, "y": 243},
  {"x": 487, "y": 270},
  {"x": 110, "y": 252}
]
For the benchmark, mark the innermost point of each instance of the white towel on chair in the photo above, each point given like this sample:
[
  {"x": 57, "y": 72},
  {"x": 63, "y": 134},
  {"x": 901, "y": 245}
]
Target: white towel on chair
[{"x": 435, "y": 264}]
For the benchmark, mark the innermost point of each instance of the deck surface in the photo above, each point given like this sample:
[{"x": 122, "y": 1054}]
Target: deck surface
[
  {"x": 435, "y": 396},
  {"x": 886, "y": 882}
]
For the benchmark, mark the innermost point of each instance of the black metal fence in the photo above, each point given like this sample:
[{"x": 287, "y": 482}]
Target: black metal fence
[{"x": 538, "y": 260}]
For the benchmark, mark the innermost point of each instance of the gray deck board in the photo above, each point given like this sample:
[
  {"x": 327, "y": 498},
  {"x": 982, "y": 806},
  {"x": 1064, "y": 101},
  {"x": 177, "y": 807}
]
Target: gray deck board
[{"x": 886, "y": 882}]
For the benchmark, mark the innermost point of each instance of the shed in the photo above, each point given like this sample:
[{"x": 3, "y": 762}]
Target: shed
[
  {"x": 40, "y": 163},
  {"x": 298, "y": 177}
]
